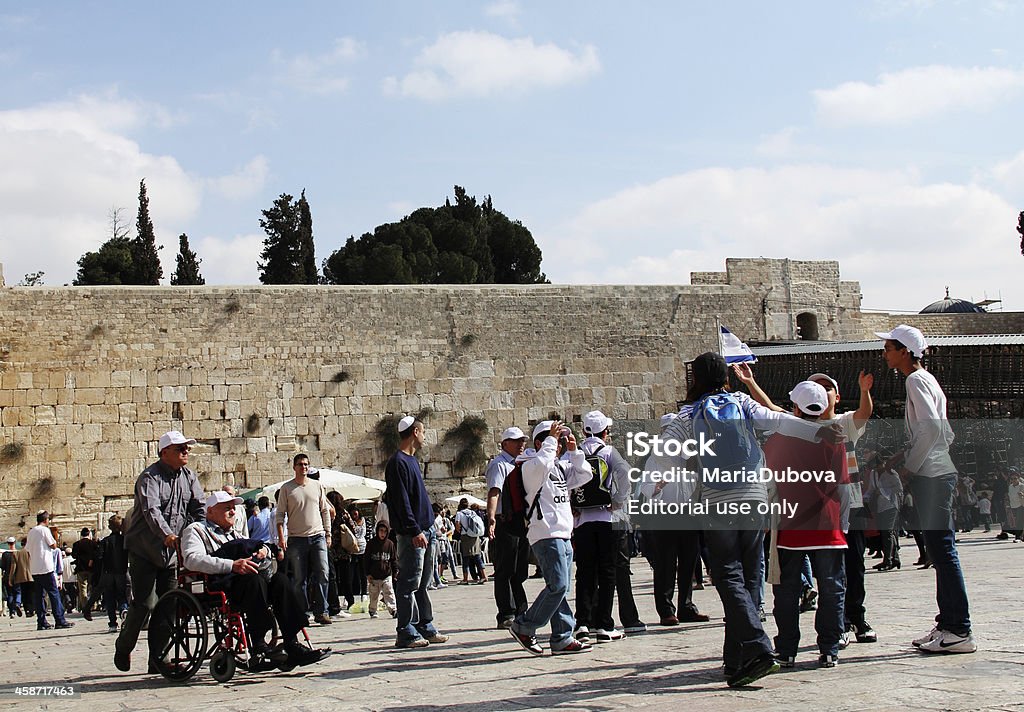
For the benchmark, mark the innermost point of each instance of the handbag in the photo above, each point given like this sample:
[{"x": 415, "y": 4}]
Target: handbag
[{"x": 347, "y": 540}]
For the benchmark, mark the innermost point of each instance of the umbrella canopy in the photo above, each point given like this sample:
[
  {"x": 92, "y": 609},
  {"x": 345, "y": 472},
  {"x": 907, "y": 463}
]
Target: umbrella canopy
[
  {"x": 454, "y": 500},
  {"x": 346, "y": 484}
]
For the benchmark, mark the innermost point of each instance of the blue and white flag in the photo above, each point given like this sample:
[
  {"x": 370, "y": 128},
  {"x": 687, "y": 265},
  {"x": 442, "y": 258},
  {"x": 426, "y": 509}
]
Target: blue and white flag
[{"x": 734, "y": 350}]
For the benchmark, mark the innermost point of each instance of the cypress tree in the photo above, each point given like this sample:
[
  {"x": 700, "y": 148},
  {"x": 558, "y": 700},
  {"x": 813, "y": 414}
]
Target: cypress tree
[
  {"x": 145, "y": 260},
  {"x": 186, "y": 272},
  {"x": 306, "y": 259}
]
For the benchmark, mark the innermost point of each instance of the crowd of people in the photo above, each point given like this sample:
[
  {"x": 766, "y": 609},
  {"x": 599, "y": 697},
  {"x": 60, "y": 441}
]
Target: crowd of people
[{"x": 563, "y": 504}]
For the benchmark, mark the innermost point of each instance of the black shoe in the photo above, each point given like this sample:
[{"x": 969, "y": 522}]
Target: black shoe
[
  {"x": 43, "y": 626},
  {"x": 764, "y": 664},
  {"x": 299, "y": 654},
  {"x": 65, "y": 624},
  {"x": 122, "y": 661},
  {"x": 693, "y": 617},
  {"x": 276, "y": 656},
  {"x": 527, "y": 642},
  {"x": 87, "y": 614},
  {"x": 1003, "y": 535}
]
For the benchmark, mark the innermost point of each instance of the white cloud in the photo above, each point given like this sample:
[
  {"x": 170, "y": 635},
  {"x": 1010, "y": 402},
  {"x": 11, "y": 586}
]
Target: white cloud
[
  {"x": 483, "y": 64},
  {"x": 778, "y": 144},
  {"x": 64, "y": 165},
  {"x": 246, "y": 182},
  {"x": 911, "y": 94},
  {"x": 507, "y": 10},
  {"x": 902, "y": 238},
  {"x": 321, "y": 73},
  {"x": 229, "y": 261},
  {"x": 1010, "y": 175}
]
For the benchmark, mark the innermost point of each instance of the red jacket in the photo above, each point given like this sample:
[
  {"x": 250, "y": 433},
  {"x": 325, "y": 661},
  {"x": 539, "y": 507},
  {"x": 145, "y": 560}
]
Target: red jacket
[{"x": 816, "y": 523}]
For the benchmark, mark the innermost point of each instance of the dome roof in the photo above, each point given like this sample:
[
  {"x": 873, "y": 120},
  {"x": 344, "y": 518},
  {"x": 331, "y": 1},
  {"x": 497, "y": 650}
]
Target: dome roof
[{"x": 952, "y": 306}]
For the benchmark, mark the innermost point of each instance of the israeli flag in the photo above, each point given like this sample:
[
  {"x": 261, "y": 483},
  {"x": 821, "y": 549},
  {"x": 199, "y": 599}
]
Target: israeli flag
[{"x": 734, "y": 350}]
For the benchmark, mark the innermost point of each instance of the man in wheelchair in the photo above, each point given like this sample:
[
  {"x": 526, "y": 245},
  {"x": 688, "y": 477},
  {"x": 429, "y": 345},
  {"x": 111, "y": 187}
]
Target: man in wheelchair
[{"x": 245, "y": 570}]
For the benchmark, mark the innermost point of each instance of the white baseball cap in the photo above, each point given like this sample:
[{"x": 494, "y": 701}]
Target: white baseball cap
[
  {"x": 824, "y": 377},
  {"x": 909, "y": 336},
  {"x": 513, "y": 433},
  {"x": 10, "y": 540},
  {"x": 219, "y": 497},
  {"x": 809, "y": 397},
  {"x": 541, "y": 427},
  {"x": 173, "y": 437},
  {"x": 596, "y": 422},
  {"x": 667, "y": 419},
  {"x": 406, "y": 423}
]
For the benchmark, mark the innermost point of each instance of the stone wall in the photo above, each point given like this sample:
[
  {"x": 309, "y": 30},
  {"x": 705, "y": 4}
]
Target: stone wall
[
  {"x": 90, "y": 377},
  {"x": 947, "y": 324}
]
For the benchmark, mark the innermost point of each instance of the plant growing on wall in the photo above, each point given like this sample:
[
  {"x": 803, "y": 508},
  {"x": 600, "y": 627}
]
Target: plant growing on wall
[
  {"x": 43, "y": 488},
  {"x": 385, "y": 432},
  {"x": 468, "y": 439},
  {"x": 11, "y": 453},
  {"x": 252, "y": 424}
]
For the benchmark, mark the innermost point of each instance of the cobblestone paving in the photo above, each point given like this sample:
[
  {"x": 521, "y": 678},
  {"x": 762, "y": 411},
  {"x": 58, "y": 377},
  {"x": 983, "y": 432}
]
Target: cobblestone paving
[{"x": 667, "y": 668}]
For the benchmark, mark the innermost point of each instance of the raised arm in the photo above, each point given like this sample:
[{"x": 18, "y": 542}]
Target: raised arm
[{"x": 745, "y": 375}]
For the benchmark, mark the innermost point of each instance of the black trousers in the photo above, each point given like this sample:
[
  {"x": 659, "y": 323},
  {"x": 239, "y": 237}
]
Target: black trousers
[
  {"x": 252, "y": 595},
  {"x": 674, "y": 556},
  {"x": 511, "y": 557},
  {"x": 854, "y": 613},
  {"x": 595, "y": 548},
  {"x": 628, "y": 614}
]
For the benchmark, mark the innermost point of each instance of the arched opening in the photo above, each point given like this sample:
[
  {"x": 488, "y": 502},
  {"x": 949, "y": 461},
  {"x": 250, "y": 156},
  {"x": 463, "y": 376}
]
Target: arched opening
[{"x": 807, "y": 326}]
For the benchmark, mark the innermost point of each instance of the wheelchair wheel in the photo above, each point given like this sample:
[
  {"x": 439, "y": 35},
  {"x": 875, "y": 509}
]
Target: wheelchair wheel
[
  {"x": 178, "y": 620},
  {"x": 222, "y": 665}
]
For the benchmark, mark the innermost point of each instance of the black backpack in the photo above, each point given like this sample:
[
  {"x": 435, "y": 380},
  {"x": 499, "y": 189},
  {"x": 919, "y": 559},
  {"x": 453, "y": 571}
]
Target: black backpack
[
  {"x": 597, "y": 493},
  {"x": 515, "y": 511}
]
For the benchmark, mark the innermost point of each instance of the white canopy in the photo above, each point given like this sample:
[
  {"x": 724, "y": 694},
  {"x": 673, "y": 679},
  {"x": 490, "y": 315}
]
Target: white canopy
[
  {"x": 454, "y": 500},
  {"x": 346, "y": 484}
]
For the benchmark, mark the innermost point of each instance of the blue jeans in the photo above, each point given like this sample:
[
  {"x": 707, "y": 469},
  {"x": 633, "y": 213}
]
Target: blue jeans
[
  {"x": 308, "y": 556},
  {"x": 46, "y": 585},
  {"x": 933, "y": 499},
  {"x": 554, "y": 557},
  {"x": 736, "y": 566},
  {"x": 415, "y": 570},
  {"x": 830, "y": 573},
  {"x": 12, "y": 591}
]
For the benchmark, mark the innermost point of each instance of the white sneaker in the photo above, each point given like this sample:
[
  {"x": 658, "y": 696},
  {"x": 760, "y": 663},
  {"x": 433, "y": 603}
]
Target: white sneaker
[
  {"x": 948, "y": 642},
  {"x": 341, "y": 614},
  {"x": 930, "y": 636},
  {"x": 607, "y": 636},
  {"x": 582, "y": 633}
]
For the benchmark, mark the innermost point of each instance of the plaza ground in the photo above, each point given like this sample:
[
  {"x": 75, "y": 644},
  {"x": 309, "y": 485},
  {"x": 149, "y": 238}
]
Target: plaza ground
[{"x": 481, "y": 668}]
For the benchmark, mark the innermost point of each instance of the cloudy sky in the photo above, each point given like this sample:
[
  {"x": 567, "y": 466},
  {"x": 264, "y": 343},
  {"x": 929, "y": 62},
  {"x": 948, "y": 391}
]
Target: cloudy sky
[{"x": 637, "y": 143}]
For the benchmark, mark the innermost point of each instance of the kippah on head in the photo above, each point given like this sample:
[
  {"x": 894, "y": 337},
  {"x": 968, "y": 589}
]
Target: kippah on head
[
  {"x": 710, "y": 369},
  {"x": 406, "y": 423}
]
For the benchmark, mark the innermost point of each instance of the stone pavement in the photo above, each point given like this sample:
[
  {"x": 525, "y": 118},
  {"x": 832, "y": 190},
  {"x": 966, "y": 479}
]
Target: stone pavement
[{"x": 483, "y": 669}]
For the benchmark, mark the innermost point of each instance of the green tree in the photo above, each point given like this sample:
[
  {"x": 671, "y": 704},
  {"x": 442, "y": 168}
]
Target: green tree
[
  {"x": 32, "y": 279},
  {"x": 464, "y": 243},
  {"x": 111, "y": 264},
  {"x": 1020, "y": 230},
  {"x": 186, "y": 272},
  {"x": 306, "y": 259},
  {"x": 288, "y": 255},
  {"x": 145, "y": 260}
]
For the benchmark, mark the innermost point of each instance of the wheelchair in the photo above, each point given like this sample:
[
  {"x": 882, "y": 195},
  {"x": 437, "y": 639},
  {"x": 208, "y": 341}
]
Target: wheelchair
[{"x": 199, "y": 625}]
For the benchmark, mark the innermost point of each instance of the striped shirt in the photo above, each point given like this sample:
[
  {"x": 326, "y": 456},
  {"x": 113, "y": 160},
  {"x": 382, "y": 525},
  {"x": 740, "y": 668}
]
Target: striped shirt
[{"x": 681, "y": 429}]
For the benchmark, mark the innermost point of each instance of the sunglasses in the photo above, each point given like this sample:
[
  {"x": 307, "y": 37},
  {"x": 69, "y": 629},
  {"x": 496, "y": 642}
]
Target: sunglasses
[{"x": 182, "y": 449}]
